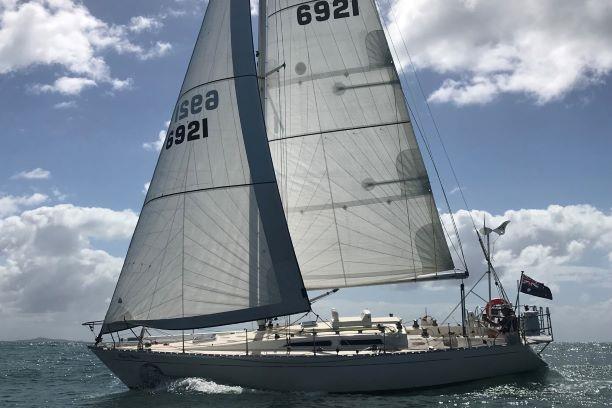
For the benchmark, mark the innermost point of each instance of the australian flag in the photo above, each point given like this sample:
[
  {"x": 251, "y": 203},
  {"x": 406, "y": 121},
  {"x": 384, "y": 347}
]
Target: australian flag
[{"x": 535, "y": 288}]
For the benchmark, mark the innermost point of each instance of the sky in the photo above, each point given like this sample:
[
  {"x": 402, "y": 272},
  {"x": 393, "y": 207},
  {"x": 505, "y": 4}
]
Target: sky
[{"x": 521, "y": 94}]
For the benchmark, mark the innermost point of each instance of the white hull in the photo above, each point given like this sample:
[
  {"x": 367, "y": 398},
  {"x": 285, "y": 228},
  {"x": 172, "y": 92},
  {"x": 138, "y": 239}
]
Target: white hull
[{"x": 329, "y": 373}]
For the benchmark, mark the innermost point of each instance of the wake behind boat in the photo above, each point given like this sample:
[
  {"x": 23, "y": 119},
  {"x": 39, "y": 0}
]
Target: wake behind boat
[{"x": 303, "y": 174}]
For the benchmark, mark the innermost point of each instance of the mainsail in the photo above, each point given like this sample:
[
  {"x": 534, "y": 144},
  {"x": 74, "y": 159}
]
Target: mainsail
[
  {"x": 212, "y": 246},
  {"x": 354, "y": 186}
]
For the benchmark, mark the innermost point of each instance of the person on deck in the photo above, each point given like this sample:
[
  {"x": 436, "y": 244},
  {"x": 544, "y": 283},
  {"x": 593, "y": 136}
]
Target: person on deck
[{"x": 508, "y": 324}]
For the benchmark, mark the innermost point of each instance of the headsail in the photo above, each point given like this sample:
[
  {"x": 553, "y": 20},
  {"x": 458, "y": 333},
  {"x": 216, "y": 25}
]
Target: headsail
[
  {"x": 212, "y": 246},
  {"x": 354, "y": 186}
]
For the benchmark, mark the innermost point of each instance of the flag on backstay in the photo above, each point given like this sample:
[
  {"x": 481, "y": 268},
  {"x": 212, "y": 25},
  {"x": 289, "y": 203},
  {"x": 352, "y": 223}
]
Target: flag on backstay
[{"x": 534, "y": 288}]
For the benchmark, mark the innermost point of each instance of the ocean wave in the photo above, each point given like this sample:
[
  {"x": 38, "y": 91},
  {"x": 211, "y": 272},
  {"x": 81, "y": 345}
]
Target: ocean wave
[{"x": 203, "y": 386}]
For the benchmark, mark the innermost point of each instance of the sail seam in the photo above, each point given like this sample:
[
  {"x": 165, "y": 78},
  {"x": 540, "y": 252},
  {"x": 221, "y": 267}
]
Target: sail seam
[
  {"x": 354, "y": 203},
  {"x": 208, "y": 189},
  {"x": 345, "y": 129},
  {"x": 215, "y": 81},
  {"x": 288, "y": 7},
  {"x": 416, "y": 116}
]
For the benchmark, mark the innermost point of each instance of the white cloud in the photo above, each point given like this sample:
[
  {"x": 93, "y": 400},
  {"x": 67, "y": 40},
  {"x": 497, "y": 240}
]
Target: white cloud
[
  {"x": 10, "y": 205},
  {"x": 542, "y": 49},
  {"x": 35, "y": 174},
  {"x": 456, "y": 190},
  {"x": 67, "y": 86},
  {"x": 566, "y": 247},
  {"x": 157, "y": 144},
  {"x": 49, "y": 265},
  {"x": 183, "y": 8},
  {"x": 145, "y": 189},
  {"x": 64, "y": 33},
  {"x": 598, "y": 320},
  {"x": 53, "y": 273},
  {"x": 158, "y": 50},
  {"x": 139, "y": 24},
  {"x": 65, "y": 105},
  {"x": 559, "y": 244},
  {"x": 122, "y": 85},
  {"x": 59, "y": 196}
]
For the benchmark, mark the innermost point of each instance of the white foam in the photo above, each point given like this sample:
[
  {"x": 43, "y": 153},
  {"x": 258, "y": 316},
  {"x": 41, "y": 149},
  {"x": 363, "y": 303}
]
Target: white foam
[{"x": 204, "y": 387}]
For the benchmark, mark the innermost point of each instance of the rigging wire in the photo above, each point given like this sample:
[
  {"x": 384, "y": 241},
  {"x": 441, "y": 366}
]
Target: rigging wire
[
  {"x": 389, "y": 6},
  {"x": 394, "y": 18},
  {"x": 465, "y": 296},
  {"x": 417, "y": 121},
  {"x": 429, "y": 111},
  {"x": 428, "y": 148},
  {"x": 499, "y": 285}
]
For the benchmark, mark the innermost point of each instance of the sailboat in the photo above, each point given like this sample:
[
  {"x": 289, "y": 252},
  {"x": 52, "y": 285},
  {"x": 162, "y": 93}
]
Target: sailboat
[{"x": 297, "y": 174}]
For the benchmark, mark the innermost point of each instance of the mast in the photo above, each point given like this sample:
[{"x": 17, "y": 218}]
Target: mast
[
  {"x": 261, "y": 53},
  {"x": 488, "y": 258},
  {"x": 254, "y": 227},
  {"x": 462, "y": 291}
]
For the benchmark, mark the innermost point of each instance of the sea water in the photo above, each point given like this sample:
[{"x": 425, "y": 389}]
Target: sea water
[{"x": 66, "y": 374}]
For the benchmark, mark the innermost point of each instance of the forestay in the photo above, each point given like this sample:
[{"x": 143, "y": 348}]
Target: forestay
[
  {"x": 353, "y": 183},
  {"x": 212, "y": 246}
]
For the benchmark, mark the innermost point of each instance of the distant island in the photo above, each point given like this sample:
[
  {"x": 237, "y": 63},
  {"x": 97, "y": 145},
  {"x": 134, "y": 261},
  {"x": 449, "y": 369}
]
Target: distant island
[{"x": 43, "y": 340}]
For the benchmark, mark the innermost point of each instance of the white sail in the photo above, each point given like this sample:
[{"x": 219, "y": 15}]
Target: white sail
[
  {"x": 212, "y": 246},
  {"x": 354, "y": 186}
]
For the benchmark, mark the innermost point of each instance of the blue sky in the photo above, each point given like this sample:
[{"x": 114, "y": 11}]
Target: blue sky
[{"x": 527, "y": 123}]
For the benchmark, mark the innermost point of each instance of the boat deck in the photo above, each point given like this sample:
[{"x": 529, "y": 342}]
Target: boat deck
[
  {"x": 294, "y": 341},
  {"x": 344, "y": 337},
  {"x": 177, "y": 347}
]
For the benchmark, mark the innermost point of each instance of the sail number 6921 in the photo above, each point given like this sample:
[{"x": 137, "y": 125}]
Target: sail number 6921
[
  {"x": 193, "y": 131},
  {"x": 323, "y": 10}
]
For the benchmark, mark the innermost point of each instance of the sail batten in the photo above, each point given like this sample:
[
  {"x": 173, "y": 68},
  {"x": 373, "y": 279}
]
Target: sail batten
[
  {"x": 211, "y": 246},
  {"x": 354, "y": 186},
  {"x": 272, "y": 139}
]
